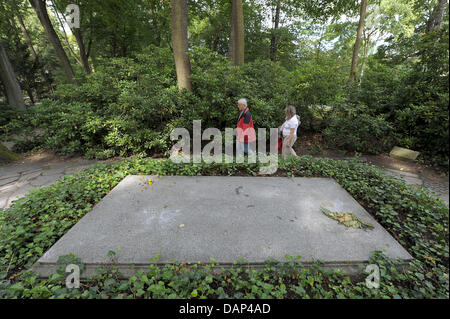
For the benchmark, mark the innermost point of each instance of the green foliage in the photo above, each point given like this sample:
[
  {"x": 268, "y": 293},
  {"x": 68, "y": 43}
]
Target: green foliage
[
  {"x": 425, "y": 127},
  {"x": 417, "y": 220},
  {"x": 6, "y": 155},
  {"x": 354, "y": 128},
  {"x": 408, "y": 83},
  {"x": 7, "y": 114},
  {"x": 130, "y": 105},
  {"x": 122, "y": 109}
]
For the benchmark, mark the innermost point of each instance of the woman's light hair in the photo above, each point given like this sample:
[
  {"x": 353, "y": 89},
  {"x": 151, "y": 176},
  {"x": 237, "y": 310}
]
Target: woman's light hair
[
  {"x": 290, "y": 110},
  {"x": 243, "y": 102}
]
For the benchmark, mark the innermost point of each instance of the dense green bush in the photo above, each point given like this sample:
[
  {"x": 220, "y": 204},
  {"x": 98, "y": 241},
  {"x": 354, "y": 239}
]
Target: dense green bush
[
  {"x": 7, "y": 114},
  {"x": 425, "y": 127},
  {"x": 416, "y": 219},
  {"x": 408, "y": 83},
  {"x": 121, "y": 109},
  {"x": 130, "y": 105},
  {"x": 354, "y": 128}
]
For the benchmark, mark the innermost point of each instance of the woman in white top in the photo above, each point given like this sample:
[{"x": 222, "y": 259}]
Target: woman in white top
[{"x": 289, "y": 131}]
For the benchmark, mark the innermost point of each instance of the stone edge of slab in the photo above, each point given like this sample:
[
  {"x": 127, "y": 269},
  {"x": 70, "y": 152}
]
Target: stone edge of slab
[{"x": 354, "y": 268}]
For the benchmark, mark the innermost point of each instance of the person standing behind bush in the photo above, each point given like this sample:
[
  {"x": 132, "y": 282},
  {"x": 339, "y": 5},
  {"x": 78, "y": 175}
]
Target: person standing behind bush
[{"x": 289, "y": 131}]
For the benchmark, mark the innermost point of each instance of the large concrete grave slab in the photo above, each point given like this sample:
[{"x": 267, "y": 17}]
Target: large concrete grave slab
[{"x": 191, "y": 219}]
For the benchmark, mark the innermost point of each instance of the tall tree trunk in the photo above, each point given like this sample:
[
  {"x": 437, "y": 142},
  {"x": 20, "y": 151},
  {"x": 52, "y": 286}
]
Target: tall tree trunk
[
  {"x": 93, "y": 60},
  {"x": 83, "y": 55},
  {"x": 237, "y": 22},
  {"x": 25, "y": 34},
  {"x": 362, "y": 16},
  {"x": 83, "y": 60},
  {"x": 27, "y": 38},
  {"x": 180, "y": 43},
  {"x": 232, "y": 42},
  {"x": 41, "y": 11},
  {"x": 15, "y": 31},
  {"x": 14, "y": 95},
  {"x": 435, "y": 20},
  {"x": 66, "y": 38},
  {"x": 34, "y": 98},
  {"x": 367, "y": 37},
  {"x": 274, "y": 40},
  {"x": 366, "y": 53}
]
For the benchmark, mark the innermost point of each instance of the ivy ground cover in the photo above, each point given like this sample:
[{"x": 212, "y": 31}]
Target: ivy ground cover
[{"x": 414, "y": 218}]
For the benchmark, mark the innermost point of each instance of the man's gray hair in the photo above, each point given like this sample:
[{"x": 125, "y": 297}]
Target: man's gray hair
[{"x": 243, "y": 102}]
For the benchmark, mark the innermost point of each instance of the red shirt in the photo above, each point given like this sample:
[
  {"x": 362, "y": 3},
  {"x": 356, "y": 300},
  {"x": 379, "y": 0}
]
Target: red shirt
[{"x": 245, "y": 129}]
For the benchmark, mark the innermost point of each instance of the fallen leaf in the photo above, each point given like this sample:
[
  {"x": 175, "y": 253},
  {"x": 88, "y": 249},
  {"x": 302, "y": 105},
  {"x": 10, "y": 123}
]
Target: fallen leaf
[{"x": 347, "y": 219}]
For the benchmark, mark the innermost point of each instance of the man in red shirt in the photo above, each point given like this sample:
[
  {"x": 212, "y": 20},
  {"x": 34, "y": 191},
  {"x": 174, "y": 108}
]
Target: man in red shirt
[{"x": 245, "y": 130}]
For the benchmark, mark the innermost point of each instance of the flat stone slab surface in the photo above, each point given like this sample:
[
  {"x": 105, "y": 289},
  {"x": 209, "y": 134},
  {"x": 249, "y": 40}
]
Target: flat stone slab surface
[{"x": 191, "y": 219}]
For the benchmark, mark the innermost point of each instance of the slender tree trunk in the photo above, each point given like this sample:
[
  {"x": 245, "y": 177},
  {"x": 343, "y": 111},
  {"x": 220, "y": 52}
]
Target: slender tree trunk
[
  {"x": 232, "y": 42},
  {"x": 435, "y": 20},
  {"x": 15, "y": 31},
  {"x": 14, "y": 95},
  {"x": 237, "y": 22},
  {"x": 30, "y": 94},
  {"x": 66, "y": 38},
  {"x": 362, "y": 16},
  {"x": 319, "y": 43},
  {"x": 180, "y": 43},
  {"x": 34, "y": 97},
  {"x": 93, "y": 60},
  {"x": 83, "y": 55},
  {"x": 114, "y": 45},
  {"x": 27, "y": 38},
  {"x": 274, "y": 40},
  {"x": 25, "y": 34},
  {"x": 41, "y": 11},
  {"x": 366, "y": 53},
  {"x": 216, "y": 39}
]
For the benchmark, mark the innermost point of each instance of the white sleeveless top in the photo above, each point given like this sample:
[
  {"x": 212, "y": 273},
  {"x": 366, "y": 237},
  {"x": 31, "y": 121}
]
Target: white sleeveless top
[{"x": 293, "y": 123}]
